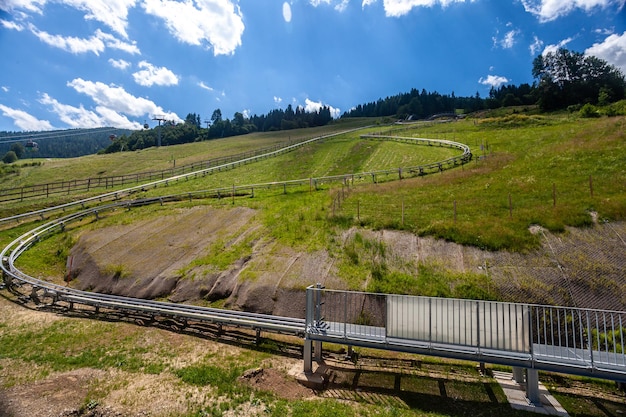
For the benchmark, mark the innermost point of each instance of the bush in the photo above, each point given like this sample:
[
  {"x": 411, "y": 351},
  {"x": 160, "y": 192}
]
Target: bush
[
  {"x": 589, "y": 110},
  {"x": 9, "y": 157}
]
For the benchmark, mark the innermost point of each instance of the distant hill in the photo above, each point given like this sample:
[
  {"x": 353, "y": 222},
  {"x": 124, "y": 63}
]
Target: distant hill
[{"x": 68, "y": 143}]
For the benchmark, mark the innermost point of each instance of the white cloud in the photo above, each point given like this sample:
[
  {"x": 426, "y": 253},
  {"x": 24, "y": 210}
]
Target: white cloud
[
  {"x": 112, "y": 13},
  {"x": 397, "y": 8},
  {"x": 11, "y": 25},
  {"x": 35, "y": 6},
  {"x": 315, "y": 106},
  {"x": 112, "y": 42},
  {"x": 277, "y": 100},
  {"x": 151, "y": 75},
  {"x": 119, "y": 63},
  {"x": 342, "y": 6},
  {"x": 535, "y": 46},
  {"x": 74, "y": 117},
  {"x": 70, "y": 43},
  {"x": 94, "y": 44},
  {"x": 5, "y": 88},
  {"x": 493, "y": 80},
  {"x": 286, "y": 12},
  {"x": 218, "y": 23},
  {"x": 555, "y": 47},
  {"x": 118, "y": 100},
  {"x": 201, "y": 84},
  {"x": 508, "y": 41},
  {"x": 79, "y": 117},
  {"x": 25, "y": 121},
  {"x": 548, "y": 10},
  {"x": 612, "y": 50}
]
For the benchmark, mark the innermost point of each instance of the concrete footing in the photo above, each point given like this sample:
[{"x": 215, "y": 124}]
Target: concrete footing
[
  {"x": 315, "y": 379},
  {"x": 516, "y": 395}
]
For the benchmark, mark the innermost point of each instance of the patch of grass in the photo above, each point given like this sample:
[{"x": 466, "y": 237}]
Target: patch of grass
[
  {"x": 118, "y": 271},
  {"x": 65, "y": 345},
  {"x": 223, "y": 379}
]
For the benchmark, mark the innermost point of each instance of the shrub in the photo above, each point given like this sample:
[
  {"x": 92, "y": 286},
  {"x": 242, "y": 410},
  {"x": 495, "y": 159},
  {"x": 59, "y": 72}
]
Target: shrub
[
  {"x": 9, "y": 157},
  {"x": 589, "y": 110}
]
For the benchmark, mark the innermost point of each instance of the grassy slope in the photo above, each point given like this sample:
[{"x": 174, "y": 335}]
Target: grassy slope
[{"x": 525, "y": 158}]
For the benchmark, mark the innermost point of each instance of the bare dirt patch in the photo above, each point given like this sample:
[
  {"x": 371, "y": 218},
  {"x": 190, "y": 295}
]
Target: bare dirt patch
[{"x": 276, "y": 382}]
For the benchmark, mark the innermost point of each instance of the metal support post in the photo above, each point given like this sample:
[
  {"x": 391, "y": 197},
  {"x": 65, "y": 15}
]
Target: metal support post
[
  {"x": 532, "y": 386},
  {"x": 518, "y": 374},
  {"x": 318, "y": 351},
  {"x": 308, "y": 355}
]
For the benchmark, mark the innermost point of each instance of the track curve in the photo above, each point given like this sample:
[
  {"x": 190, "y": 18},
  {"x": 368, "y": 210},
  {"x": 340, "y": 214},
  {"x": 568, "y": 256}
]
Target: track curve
[{"x": 30, "y": 289}]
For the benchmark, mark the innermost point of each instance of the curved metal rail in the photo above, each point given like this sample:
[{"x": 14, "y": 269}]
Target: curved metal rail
[{"x": 42, "y": 291}]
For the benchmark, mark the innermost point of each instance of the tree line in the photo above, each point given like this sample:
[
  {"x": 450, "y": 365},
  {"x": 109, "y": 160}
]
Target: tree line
[
  {"x": 217, "y": 126},
  {"x": 563, "y": 79}
]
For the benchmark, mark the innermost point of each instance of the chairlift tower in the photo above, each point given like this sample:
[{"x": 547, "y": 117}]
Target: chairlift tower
[{"x": 160, "y": 119}]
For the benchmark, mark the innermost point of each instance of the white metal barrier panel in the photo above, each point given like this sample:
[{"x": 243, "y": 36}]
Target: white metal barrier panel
[{"x": 481, "y": 324}]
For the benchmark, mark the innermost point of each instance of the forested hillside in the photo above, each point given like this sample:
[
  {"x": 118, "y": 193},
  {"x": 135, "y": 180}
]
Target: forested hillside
[{"x": 58, "y": 143}]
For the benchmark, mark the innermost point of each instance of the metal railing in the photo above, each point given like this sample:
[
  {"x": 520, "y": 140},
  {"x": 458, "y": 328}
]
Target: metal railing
[{"x": 571, "y": 340}]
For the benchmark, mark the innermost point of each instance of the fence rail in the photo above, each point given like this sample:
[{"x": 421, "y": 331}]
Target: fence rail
[
  {"x": 395, "y": 173},
  {"x": 109, "y": 182}
]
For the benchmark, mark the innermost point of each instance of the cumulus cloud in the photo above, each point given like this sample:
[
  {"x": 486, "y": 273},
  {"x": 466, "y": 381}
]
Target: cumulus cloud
[
  {"x": 397, "y": 8},
  {"x": 150, "y": 75},
  {"x": 493, "y": 80},
  {"x": 119, "y": 100},
  {"x": 74, "y": 117},
  {"x": 11, "y": 25},
  {"x": 119, "y": 63},
  {"x": 112, "y": 42},
  {"x": 24, "y": 120},
  {"x": 95, "y": 44},
  {"x": 34, "y": 6},
  {"x": 112, "y": 13},
  {"x": 548, "y": 10},
  {"x": 70, "y": 44},
  {"x": 555, "y": 47},
  {"x": 612, "y": 50},
  {"x": 218, "y": 23},
  {"x": 277, "y": 100},
  {"x": 315, "y": 106}
]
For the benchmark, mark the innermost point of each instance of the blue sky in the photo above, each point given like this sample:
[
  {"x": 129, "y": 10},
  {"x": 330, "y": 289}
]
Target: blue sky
[{"x": 93, "y": 63}]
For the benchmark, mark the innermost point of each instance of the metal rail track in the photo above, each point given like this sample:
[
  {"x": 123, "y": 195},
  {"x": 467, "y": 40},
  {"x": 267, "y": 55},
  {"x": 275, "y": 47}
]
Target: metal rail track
[{"x": 41, "y": 292}]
